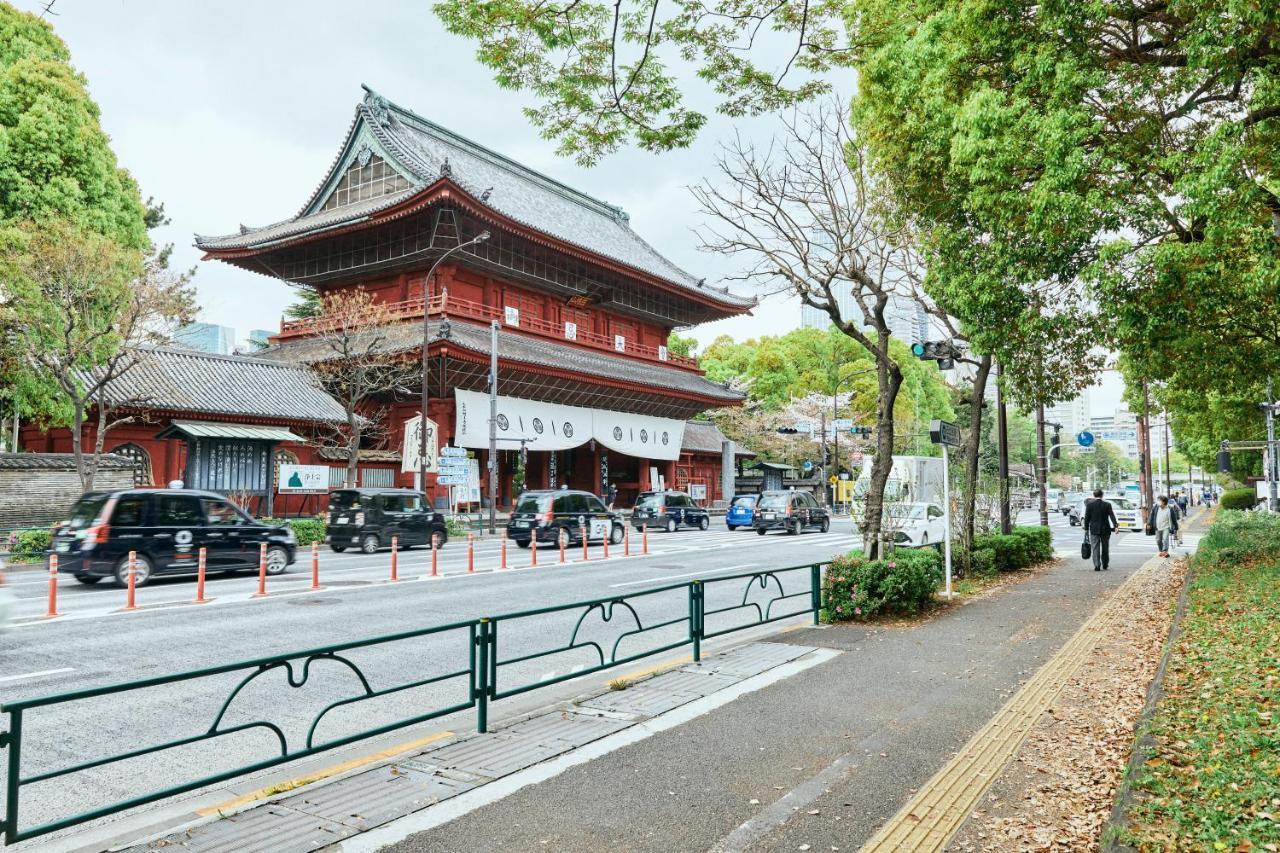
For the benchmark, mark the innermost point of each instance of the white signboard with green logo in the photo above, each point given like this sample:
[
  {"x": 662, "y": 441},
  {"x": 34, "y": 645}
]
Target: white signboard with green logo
[{"x": 303, "y": 479}]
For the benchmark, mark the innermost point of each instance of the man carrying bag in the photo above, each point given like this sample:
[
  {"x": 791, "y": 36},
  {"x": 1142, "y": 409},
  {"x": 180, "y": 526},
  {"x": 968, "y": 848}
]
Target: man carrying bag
[{"x": 1099, "y": 523}]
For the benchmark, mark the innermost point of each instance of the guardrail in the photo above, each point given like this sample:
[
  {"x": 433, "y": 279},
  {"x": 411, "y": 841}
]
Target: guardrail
[{"x": 479, "y": 645}]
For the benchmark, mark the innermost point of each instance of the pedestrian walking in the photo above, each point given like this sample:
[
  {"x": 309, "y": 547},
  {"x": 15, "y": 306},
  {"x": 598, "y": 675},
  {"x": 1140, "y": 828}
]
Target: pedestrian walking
[
  {"x": 1099, "y": 523},
  {"x": 612, "y": 495},
  {"x": 1182, "y": 503},
  {"x": 1164, "y": 520}
]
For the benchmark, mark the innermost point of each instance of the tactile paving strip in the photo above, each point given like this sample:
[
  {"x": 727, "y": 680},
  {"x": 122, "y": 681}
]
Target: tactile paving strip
[{"x": 374, "y": 797}]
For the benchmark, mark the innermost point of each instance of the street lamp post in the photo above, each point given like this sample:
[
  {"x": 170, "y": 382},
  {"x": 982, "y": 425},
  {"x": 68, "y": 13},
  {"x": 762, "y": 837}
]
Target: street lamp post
[{"x": 426, "y": 339}]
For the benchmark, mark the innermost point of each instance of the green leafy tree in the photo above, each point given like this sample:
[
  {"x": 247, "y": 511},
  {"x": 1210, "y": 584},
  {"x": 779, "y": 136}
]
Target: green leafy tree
[
  {"x": 681, "y": 345},
  {"x": 307, "y": 305},
  {"x": 608, "y": 73}
]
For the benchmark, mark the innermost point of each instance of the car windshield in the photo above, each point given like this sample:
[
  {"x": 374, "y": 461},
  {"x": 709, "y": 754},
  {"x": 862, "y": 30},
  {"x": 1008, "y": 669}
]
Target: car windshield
[
  {"x": 747, "y": 501},
  {"x": 651, "y": 499},
  {"x": 1121, "y": 503},
  {"x": 777, "y": 502},
  {"x": 344, "y": 500},
  {"x": 906, "y": 510},
  {"x": 85, "y": 511},
  {"x": 533, "y": 503}
]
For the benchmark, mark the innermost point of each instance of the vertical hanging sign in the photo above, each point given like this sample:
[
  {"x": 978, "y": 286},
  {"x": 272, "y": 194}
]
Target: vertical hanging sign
[
  {"x": 604, "y": 472},
  {"x": 552, "y": 472}
]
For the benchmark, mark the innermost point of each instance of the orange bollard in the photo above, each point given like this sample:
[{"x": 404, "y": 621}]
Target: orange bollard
[
  {"x": 262, "y": 570},
  {"x": 606, "y": 542},
  {"x": 395, "y": 551},
  {"x": 585, "y": 555},
  {"x": 471, "y": 552},
  {"x": 563, "y": 538},
  {"x": 315, "y": 565},
  {"x": 130, "y": 600},
  {"x": 435, "y": 554},
  {"x": 503, "y": 549},
  {"x": 200, "y": 566},
  {"x": 533, "y": 550},
  {"x": 53, "y": 587},
  {"x": 644, "y": 537},
  {"x": 626, "y": 541}
]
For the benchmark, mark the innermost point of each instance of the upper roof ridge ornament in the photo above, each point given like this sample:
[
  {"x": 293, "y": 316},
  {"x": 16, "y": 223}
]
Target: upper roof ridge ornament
[
  {"x": 378, "y": 106},
  {"x": 446, "y": 171}
]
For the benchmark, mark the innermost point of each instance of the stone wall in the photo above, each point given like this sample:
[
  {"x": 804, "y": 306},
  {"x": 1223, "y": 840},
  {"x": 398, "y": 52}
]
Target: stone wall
[{"x": 37, "y": 489}]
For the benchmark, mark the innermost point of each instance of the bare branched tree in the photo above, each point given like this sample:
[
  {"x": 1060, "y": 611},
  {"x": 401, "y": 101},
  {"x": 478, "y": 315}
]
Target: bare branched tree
[
  {"x": 357, "y": 368},
  {"x": 810, "y": 219},
  {"x": 84, "y": 314}
]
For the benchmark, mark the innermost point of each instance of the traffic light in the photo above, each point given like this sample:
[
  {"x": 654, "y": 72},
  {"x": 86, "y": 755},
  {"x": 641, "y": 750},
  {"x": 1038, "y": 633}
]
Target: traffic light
[
  {"x": 860, "y": 430},
  {"x": 787, "y": 430},
  {"x": 943, "y": 352}
]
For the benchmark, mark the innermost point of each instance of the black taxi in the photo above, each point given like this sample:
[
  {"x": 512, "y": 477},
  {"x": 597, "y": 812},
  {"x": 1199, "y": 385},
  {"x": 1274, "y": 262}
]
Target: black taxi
[
  {"x": 369, "y": 518},
  {"x": 166, "y": 528},
  {"x": 542, "y": 516},
  {"x": 790, "y": 510}
]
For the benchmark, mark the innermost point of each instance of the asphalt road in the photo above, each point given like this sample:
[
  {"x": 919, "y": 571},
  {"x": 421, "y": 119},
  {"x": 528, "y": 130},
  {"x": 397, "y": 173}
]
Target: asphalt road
[{"x": 95, "y": 644}]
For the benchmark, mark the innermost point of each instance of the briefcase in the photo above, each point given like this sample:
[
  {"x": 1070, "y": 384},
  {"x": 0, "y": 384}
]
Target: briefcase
[{"x": 1085, "y": 550}]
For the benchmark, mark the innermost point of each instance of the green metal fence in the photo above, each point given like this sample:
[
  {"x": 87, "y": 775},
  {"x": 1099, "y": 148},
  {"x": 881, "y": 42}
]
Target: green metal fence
[{"x": 478, "y": 644}]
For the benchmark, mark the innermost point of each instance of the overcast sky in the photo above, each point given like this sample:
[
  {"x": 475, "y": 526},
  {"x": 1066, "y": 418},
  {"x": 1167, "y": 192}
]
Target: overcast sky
[{"x": 231, "y": 112}]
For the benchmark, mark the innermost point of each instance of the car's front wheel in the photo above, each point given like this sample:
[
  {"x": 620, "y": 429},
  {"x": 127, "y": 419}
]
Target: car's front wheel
[
  {"x": 524, "y": 543},
  {"x": 369, "y": 544},
  {"x": 826, "y": 524},
  {"x": 615, "y": 534},
  {"x": 795, "y": 528},
  {"x": 88, "y": 580},
  {"x": 671, "y": 525},
  {"x": 704, "y": 523},
  {"x": 337, "y": 549},
  {"x": 439, "y": 538},
  {"x": 277, "y": 560},
  {"x": 760, "y": 531},
  {"x": 142, "y": 571},
  {"x": 732, "y": 527}
]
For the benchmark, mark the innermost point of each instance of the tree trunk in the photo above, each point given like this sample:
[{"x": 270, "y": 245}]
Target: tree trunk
[
  {"x": 353, "y": 449},
  {"x": 889, "y": 380},
  {"x": 77, "y": 444},
  {"x": 969, "y": 501}
]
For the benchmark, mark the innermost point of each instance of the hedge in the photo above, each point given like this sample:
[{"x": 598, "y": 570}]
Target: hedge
[
  {"x": 858, "y": 588},
  {"x": 1023, "y": 547},
  {"x": 29, "y": 546},
  {"x": 1239, "y": 499},
  {"x": 306, "y": 530}
]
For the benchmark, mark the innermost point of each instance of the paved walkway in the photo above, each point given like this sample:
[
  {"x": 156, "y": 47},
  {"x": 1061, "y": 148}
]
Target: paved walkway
[{"x": 819, "y": 761}]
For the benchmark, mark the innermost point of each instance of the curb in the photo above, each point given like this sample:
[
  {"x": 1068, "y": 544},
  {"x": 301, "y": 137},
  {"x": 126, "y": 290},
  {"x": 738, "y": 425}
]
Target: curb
[
  {"x": 941, "y": 806},
  {"x": 1141, "y": 751}
]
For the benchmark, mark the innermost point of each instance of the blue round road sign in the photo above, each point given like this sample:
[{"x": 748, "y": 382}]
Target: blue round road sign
[
  {"x": 808, "y": 466},
  {"x": 1085, "y": 439}
]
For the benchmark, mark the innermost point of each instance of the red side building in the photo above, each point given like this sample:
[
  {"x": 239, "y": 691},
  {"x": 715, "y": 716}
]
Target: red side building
[{"x": 584, "y": 306}]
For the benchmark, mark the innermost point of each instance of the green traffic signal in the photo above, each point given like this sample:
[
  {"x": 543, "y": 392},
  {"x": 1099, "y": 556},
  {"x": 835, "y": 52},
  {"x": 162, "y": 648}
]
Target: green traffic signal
[{"x": 917, "y": 349}]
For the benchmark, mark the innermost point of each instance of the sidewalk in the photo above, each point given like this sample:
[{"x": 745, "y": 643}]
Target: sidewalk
[{"x": 810, "y": 742}]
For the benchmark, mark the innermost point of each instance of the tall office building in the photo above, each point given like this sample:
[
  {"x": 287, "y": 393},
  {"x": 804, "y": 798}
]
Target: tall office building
[
  {"x": 1072, "y": 414},
  {"x": 259, "y": 338},
  {"x": 906, "y": 318},
  {"x": 206, "y": 337}
]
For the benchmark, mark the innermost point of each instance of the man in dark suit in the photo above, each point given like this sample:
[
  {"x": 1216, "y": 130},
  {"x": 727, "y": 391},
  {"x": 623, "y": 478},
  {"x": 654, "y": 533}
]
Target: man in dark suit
[{"x": 1099, "y": 523}]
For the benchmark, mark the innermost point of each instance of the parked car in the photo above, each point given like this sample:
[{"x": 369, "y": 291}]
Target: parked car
[
  {"x": 915, "y": 525},
  {"x": 1126, "y": 511},
  {"x": 542, "y": 516},
  {"x": 669, "y": 510},
  {"x": 792, "y": 511},
  {"x": 1070, "y": 500},
  {"x": 167, "y": 528},
  {"x": 368, "y": 518},
  {"x": 741, "y": 511},
  {"x": 8, "y": 602},
  {"x": 1075, "y": 515}
]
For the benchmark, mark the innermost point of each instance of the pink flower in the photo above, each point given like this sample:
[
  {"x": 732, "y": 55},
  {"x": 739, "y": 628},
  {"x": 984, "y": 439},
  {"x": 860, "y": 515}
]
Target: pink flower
[
  {"x": 857, "y": 611},
  {"x": 892, "y": 564},
  {"x": 839, "y": 609}
]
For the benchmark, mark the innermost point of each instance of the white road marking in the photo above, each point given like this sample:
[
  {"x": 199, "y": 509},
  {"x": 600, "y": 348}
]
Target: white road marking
[
  {"x": 661, "y": 578},
  {"x": 36, "y": 674}
]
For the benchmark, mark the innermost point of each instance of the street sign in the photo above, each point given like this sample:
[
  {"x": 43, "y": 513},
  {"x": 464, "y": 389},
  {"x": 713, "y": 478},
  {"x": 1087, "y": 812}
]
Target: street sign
[
  {"x": 303, "y": 479},
  {"x": 1085, "y": 439},
  {"x": 453, "y": 479},
  {"x": 453, "y": 451},
  {"x": 1089, "y": 449},
  {"x": 944, "y": 432},
  {"x": 807, "y": 466},
  {"x": 1119, "y": 434},
  {"x": 843, "y": 423}
]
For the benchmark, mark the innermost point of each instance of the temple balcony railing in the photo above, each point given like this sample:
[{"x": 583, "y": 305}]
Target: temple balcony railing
[{"x": 443, "y": 305}]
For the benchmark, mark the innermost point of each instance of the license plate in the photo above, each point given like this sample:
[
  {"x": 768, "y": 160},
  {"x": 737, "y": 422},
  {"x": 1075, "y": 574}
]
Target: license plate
[
  {"x": 341, "y": 520},
  {"x": 63, "y": 547},
  {"x": 770, "y": 516},
  {"x": 522, "y": 524}
]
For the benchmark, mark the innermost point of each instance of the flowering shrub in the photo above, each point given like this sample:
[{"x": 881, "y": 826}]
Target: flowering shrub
[
  {"x": 857, "y": 588},
  {"x": 28, "y": 546}
]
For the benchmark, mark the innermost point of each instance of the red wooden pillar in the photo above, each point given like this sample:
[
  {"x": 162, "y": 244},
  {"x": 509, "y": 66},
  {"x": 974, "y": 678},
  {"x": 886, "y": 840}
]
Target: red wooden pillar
[{"x": 645, "y": 485}]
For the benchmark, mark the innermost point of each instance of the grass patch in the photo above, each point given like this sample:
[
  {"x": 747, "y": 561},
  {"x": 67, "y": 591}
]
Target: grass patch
[
  {"x": 1212, "y": 781},
  {"x": 619, "y": 684}
]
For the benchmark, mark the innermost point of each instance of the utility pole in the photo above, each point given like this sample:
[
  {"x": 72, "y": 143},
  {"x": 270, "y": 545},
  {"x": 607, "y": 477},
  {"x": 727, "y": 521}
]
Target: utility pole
[
  {"x": 1146, "y": 487},
  {"x": 1002, "y": 438},
  {"x": 1273, "y": 503},
  {"x": 822, "y": 471},
  {"x": 493, "y": 426},
  {"x": 1042, "y": 462},
  {"x": 1168, "y": 475}
]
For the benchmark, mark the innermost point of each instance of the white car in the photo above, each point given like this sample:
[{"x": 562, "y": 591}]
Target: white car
[
  {"x": 8, "y": 602},
  {"x": 1126, "y": 514},
  {"x": 916, "y": 525}
]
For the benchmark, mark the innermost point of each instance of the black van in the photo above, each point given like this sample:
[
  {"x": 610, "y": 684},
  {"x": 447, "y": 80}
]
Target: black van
[
  {"x": 540, "y": 516},
  {"x": 167, "y": 528},
  {"x": 789, "y": 510},
  {"x": 368, "y": 518},
  {"x": 669, "y": 510}
]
